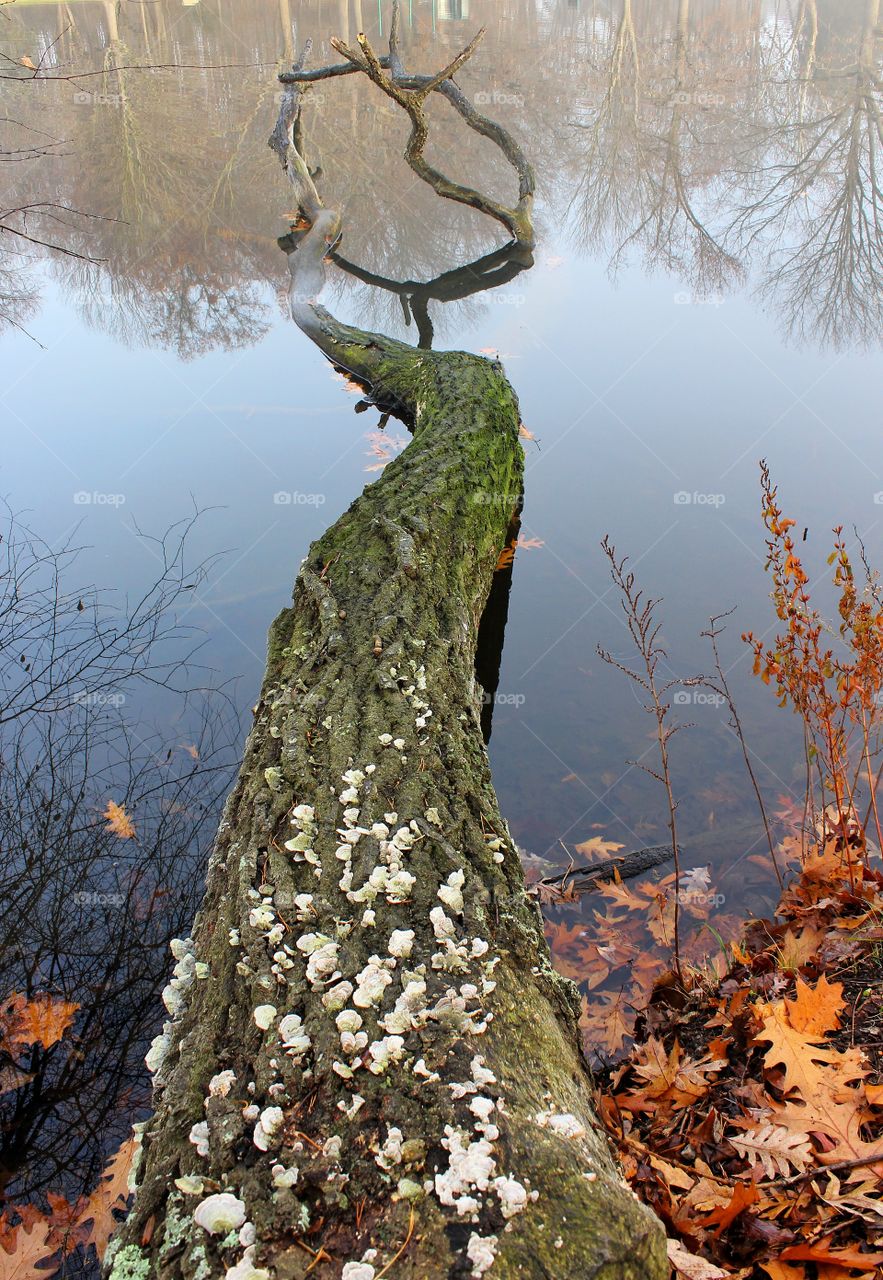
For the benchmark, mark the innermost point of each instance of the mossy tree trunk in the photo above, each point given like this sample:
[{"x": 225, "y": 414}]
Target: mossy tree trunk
[{"x": 370, "y": 1057}]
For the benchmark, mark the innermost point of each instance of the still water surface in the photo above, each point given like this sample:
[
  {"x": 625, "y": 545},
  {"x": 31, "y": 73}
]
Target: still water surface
[{"x": 706, "y": 293}]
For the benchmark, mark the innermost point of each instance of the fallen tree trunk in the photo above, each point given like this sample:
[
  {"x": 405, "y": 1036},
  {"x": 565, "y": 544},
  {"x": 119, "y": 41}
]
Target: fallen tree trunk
[{"x": 372, "y": 1067}]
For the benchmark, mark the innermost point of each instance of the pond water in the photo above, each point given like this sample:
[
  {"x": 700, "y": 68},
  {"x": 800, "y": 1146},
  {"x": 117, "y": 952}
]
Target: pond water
[{"x": 706, "y": 293}]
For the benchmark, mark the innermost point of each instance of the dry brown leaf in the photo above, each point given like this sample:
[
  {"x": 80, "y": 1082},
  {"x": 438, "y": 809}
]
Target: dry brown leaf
[
  {"x": 118, "y": 821},
  {"x": 782, "y": 1271},
  {"x": 689, "y": 1265},
  {"x": 774, "y": 1148},
  {"x": 607, "y": 1023},
  {"x": 597, "y": 845},
  {"x": 111, "y": 1193},
  {"x": 815, "y": 1010},
  {"x": 41, "y": 1020},
  {"x": 795, "y": 1052},
  {"x": 673, "y": 1176},
  {"x": 742, "y": 1196},
  {"x": 826, "y": 1251},
  {"x": 797, "y": 949},
  {"x": 21, "y": 1250}
]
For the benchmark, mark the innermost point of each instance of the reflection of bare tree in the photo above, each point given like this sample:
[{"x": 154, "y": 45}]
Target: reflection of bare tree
[
  {"x": 670, "y": 124},
  {"x": 646, "y": 163},
  {"x": 83, "y": 914},
  {"x": 707, "y": 166},
  {"x": 817, "y": 199}
]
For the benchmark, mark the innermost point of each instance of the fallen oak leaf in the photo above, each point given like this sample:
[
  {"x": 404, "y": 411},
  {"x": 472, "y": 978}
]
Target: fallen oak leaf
[
  {"x": 689, "y": 1265},
  {"x": 674, "y": 1177},
  {"x": 744, "y": 1194},
  {"x": 110, "y": 1195},
  {"x": 862, "y": 1203},
  {"x": 815, "y": 1010},
  {"x": 782, "y": 1270},
  {"x": 823, "y": 1251},
  {"x": 670, "y": 1076},
  {"x": 797, "y": 949},
  {"x": 41, "y": 1020},
  {"x": 24, "y": 1247},
  {"x": 797, "y": 1053},
  {"x": 607, "y": 1023},
  {"x": 118, "y": 821},
  {"x": 597, "y": 845},
  {"x": 774, "y": 1148}
]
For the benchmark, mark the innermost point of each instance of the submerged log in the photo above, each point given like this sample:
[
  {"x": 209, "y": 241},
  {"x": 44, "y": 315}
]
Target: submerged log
[{"x": 372, "y": 1068}]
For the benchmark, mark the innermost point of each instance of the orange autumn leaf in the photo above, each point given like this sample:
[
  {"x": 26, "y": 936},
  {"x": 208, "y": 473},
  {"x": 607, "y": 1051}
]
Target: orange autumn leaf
[
  {"x": 24, "y": 1246},
  {"x": 824, "y": 1251},
  {"x": 802, "y": 1060},
  {"x": 670, "y": 1076},
  {"x": 41, "y": 1020},
  {"x": 96, "y": 1214},
  {"x": 744, "y": 1195},
  {"x": 524, "y": 433},
  {"x": 815, "y": 1010},
  {"x": 797, "y": 949},
  {"x": 118, "y": 821},
  {"x": 597, "y": 845},
  {"x": 607, "y": 1022},
  {"x": 782, "y": 1270}
]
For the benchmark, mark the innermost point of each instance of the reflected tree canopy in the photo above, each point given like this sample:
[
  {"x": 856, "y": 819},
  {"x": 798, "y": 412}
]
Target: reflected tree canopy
[{"x": 719, "y": 143}]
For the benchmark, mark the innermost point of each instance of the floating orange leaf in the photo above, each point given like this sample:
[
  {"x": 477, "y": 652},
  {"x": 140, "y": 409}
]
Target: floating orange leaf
[{"x": 118, "y": 821}]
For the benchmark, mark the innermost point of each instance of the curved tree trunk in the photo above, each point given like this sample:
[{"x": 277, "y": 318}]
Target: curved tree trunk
[{"x": 370, "y": 1052}]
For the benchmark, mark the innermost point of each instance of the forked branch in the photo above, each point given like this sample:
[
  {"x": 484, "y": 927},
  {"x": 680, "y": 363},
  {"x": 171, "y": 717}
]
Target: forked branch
[
  {"x": 318, "y": 228},
  {"x": 411, "y": 94}
]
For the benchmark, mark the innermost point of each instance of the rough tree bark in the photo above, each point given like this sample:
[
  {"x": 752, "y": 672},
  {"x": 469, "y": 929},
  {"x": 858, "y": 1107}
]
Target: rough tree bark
[{"x": 370, "y": 1058}]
